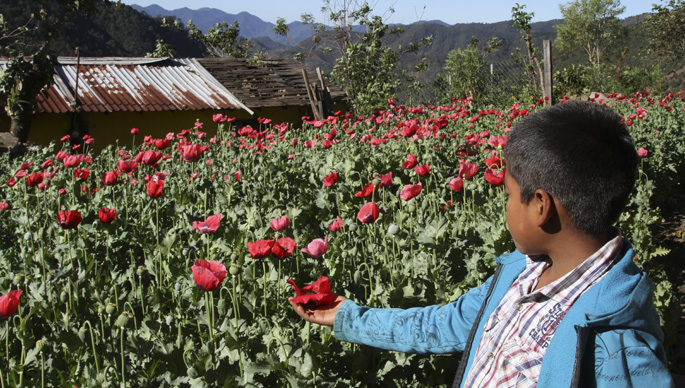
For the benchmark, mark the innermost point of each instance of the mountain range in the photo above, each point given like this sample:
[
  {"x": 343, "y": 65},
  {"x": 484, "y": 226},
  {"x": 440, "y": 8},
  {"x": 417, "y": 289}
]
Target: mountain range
[{"x": 250, "y": 26}]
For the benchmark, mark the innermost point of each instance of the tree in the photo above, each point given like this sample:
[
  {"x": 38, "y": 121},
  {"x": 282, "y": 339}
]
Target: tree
[
  {"x": 366, "y": 67},
  {"x": 222, "y": 40},
  {"x": 521, "y": 20},
  {"x": 667, "y": 30},
  {"x": 591, "y": 25},
  {"x": 466, "y": 73},
  {"x": 161, "y": 50},
  {"x": 26, "y": 41}
]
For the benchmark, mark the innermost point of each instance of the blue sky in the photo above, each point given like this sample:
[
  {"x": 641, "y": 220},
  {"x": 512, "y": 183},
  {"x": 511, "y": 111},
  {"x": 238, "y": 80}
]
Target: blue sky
[{"x": 406, "y": 11}]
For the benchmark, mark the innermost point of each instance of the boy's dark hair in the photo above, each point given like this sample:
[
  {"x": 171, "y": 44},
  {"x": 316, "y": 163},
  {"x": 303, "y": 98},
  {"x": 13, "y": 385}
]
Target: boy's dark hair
[{"x": 582, "y": 155}]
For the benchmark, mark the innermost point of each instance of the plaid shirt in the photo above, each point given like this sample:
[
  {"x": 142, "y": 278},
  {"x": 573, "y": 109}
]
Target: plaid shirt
[{"x": 517, "y": 334}]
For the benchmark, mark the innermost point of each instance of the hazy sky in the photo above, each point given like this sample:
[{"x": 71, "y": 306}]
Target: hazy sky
[{"x": 406, "y": 12}]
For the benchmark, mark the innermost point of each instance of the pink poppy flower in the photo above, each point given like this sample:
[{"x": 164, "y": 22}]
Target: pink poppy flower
[
  {"x": 336, "y": 224},
  {"x": 386, "y": 180},
  {"x": 467, "y": 169},
  {"x": 410, "y": 162},
  {"x": 210, "y": 225},
  {"x": 422, "y": 170},
  {"x": 641, "y": 152},
  {"x": 317, "y": 247},
  {"x": 280, "y": 223},
  {"x": 411, "y": 191},
  {"x": 456, "y": 184},
  {"x": 208, "y": 274}
]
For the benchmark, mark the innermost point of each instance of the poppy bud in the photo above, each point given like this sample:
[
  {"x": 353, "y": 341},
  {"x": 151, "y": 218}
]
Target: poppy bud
[
  {"x": 393, "y": 229},
  {"x": 40, "y": 345},
  {"x": 233, "y": 269},
  {"x": 111, "y": 307},
  {"x": 81, "y": 333},
  {"x": 221, "y": 307},
  {"x": 63, "y": 297},
  {"x": 122, "y": 320},
  {"x": 169, "y": 319}
]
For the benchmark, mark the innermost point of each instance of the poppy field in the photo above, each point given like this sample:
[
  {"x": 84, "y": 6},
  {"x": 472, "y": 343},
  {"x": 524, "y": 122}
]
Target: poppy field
[{"x": 169, "y": 262}]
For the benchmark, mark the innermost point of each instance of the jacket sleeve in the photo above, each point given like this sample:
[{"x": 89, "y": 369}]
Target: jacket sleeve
[
  {"x": 432, "y": 329},
  {"x": 629, "y": 358}
]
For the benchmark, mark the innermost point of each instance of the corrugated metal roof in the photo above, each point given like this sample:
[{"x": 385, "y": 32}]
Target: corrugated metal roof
[{"x": 134, "y": 84}]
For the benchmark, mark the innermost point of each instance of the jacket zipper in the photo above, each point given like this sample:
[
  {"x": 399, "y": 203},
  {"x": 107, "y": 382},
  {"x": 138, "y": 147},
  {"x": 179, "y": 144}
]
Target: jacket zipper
[
  {"x": 474, "y": 329},
  {"x": 581, "y": 333}
]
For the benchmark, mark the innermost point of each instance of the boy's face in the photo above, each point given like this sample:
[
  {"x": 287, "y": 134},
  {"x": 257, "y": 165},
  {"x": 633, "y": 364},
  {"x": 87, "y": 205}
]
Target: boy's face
[{"x": 521, "y": 218}]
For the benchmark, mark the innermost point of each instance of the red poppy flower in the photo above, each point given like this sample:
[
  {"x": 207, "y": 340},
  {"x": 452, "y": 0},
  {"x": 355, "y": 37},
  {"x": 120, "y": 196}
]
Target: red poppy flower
[
  {"x": 127, "y": 166},
  {"x": 208, "y": 274},
  {"x": 150, "y": 157},
  {"x": 20, "y": 174},
  {"x": 261, "y": 248},
  {"x": 69, "y": 219},
  {"x": 283, "y": 247},
  {"x": 236, "y": 175},
  {"x": 192, "y": 152},
  {"x": 410, "y": 163},
  {"x": 9, "y": 303},
  {"x": 410, "y": 191},
  {"x": 280, "y": 223},
  {"x": 47, "y": 163},
  {"x": 82, "y": 173},
  {"x": 314, "y": 295},
  {"x": 134, "y": 131},
  {"x": 210, "y": 225},
  {"x": 422, "y": 170},
  {"x": 161, "y": 144},
  {"x": 155, "y": 189},
  {"x": 11, "y": 182},
  {"x": 110, "y": 177},
  {"x": 336, "y": 224},
  {"x": 456, "y": 184},
  {"x": 494, "y": 178},
  {"x": 317, "y": 247},
  {"x": 368, "y": 213},
  {"x": 493, "y": 161},
  {"x": 641, "y": 152},
  {"x": 34, "y": 179},
  {"x": 386, "y": 180},
  {"x": 4, "y": 205},
  {"x": 467, "y": 169},
  {"x": 366, "y": 191},
  {"x": 107, "y": 215},
  {"x": 72, "y": 160},
  {"x": 330, "y": 179}
]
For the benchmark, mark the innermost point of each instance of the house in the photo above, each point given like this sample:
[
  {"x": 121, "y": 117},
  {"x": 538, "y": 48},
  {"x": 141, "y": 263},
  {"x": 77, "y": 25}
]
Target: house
[
  {"x": 105, "y": 97},
  {"x": 277, "y": 88}
]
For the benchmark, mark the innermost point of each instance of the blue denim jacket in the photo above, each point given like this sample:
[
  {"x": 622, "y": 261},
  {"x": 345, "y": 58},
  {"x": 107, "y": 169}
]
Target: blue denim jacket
[{"x": 610, "y": 337}]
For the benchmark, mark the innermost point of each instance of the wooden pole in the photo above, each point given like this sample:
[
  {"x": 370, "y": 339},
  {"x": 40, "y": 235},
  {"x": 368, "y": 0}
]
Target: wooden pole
[
  {"x": 547, "y": 50},
  {"x": 312, "y": 103}
]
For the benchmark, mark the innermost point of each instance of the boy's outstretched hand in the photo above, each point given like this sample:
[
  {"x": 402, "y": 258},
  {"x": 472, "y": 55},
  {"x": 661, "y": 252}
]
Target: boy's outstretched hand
[{"x": 323, "y": 315}]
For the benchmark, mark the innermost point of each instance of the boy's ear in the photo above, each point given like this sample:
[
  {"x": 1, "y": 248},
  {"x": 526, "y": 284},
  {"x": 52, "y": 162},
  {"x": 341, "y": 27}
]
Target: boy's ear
[{"x": 544, "y": 206}]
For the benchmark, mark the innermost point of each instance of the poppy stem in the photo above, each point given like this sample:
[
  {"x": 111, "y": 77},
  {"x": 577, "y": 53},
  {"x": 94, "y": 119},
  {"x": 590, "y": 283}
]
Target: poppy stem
[{"x": 266, "y": 289}]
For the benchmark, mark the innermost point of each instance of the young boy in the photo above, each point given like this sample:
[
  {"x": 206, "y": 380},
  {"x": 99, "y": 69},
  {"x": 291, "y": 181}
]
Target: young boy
[{"x": 568, "y": 307}]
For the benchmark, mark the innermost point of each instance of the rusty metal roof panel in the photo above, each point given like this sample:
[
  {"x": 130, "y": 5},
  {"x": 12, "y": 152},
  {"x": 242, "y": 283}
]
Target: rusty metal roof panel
[{"x": 134, "y": 84}]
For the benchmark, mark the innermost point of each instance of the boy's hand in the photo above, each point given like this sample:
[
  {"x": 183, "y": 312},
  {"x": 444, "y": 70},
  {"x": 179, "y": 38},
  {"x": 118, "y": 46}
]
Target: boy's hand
[{"x": 323, "y": 315}]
